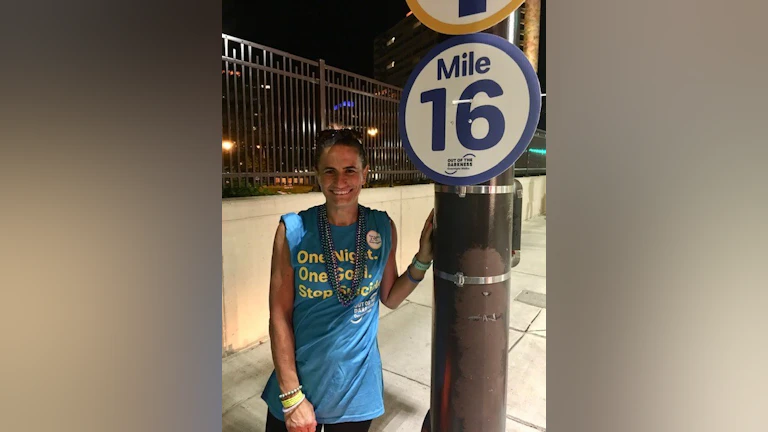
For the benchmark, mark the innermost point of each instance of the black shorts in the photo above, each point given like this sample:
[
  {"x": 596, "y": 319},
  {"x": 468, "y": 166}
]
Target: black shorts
[{"x": 275, "y": 425}]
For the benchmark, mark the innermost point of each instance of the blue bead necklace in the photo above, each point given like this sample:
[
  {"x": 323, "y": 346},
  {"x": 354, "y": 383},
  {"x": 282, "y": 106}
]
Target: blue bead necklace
[{"x": 332, "y": 263}]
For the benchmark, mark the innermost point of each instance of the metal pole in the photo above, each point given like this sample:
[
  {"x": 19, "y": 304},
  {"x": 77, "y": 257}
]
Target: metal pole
[
  {"x": 321, "y": 74},
  {"x": 470, "y": 325}
]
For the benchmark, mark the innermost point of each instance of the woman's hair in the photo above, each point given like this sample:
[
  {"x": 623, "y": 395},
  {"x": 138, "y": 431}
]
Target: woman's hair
[{"x": 346, "y": 137}]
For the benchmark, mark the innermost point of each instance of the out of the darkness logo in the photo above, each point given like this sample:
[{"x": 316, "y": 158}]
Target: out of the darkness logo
[{"x": 459, "y": 164}]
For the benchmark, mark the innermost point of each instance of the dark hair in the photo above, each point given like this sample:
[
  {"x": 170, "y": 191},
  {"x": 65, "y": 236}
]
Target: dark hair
[{"x": 346, "y": 137}]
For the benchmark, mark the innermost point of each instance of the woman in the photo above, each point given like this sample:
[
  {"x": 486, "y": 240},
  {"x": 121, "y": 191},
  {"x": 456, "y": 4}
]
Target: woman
[{"x": 323, "y": 329}]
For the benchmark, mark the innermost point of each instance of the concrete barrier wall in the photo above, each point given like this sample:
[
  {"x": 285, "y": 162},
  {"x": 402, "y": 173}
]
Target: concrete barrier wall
[{"x": 248, "y": 229}]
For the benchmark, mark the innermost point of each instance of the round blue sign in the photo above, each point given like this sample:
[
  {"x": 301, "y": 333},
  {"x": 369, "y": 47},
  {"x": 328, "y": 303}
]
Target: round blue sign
[{"x": 469, "y": 109}]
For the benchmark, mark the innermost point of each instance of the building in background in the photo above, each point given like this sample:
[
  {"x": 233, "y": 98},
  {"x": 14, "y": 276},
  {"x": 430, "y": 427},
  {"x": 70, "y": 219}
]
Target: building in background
[{"x": 397, "y": 51}]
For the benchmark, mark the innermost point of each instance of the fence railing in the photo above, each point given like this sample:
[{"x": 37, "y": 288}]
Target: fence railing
[{"x": 274, "y": 103}]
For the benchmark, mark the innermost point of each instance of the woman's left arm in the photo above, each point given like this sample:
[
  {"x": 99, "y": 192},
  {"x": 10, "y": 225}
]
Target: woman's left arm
[{"x": 394, "y": 288}]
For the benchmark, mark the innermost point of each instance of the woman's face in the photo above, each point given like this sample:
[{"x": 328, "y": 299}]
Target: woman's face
[{"x": 341, "y": 175}]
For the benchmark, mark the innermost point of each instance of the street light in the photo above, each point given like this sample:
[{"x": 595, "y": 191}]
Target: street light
[
  {"x": 227, "y": 145},
  {"x": 373, "y": 131}
]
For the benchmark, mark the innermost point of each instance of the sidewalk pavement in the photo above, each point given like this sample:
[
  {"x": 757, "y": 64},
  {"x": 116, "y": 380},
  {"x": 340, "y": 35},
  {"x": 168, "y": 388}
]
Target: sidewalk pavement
[{"x": 405, "y": 336}]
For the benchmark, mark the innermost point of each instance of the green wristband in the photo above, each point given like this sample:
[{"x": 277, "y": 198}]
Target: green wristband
[{"x": 420, "y": 265}]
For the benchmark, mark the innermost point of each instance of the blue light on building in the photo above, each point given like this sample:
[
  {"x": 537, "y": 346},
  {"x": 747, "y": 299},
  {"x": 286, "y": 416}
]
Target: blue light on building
[{"x": 348, "y": 104}]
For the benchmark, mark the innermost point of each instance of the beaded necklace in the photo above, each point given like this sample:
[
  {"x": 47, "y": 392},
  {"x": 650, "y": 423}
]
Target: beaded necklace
[{"x": 331, "y": 262}]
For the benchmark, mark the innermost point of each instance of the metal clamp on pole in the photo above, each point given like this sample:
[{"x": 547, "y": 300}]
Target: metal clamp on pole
[
  {"x": 462, "y": 191},
  {"x": 460, "y": 280}
]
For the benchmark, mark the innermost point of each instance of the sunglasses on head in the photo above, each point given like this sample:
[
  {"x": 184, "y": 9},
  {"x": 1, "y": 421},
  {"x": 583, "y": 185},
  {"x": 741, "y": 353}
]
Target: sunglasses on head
[{"x": 330, "y": 134}]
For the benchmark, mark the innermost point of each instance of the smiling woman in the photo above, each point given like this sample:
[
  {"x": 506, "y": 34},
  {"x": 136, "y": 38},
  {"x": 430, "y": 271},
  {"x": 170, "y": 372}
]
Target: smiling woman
[
  {"x": 342, "y": 167},
  {"x": 331, "y": 265}
]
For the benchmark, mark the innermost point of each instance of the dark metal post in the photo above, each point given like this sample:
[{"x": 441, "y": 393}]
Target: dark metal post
[
  {"x": 470, "y": 324},
  {"x": 321, "y": 87}
]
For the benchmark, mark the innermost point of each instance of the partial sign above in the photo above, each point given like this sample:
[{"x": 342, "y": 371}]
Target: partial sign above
[
  {"x": 458, "y": 17},
  {"x": 469, "y": 109}
]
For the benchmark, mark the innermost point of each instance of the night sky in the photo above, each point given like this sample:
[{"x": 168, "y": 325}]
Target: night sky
[{"x": 339, "y": 31}]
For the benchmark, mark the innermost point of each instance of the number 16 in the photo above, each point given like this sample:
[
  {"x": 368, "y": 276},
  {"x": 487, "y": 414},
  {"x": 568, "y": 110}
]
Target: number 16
[{"x": 465, "y": 116}]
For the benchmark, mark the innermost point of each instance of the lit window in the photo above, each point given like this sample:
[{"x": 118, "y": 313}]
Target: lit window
[
  {"x": 391, "y": 65},
  {"x": 391, "y": 41}
]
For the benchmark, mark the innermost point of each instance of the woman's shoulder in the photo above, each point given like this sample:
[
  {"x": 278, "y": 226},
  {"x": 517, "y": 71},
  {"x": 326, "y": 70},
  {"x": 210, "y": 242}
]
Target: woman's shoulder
[
  {"x": 312, "y": 211},
  {"x": 381, "y": 217},
  {"x": 297, "y": 224},
  {"x": 372, "y": 211},
  {"x": 303, "y": 214}
]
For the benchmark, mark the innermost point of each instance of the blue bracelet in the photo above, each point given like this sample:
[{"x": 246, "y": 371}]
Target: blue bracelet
[{"x": 408, "y": 273}]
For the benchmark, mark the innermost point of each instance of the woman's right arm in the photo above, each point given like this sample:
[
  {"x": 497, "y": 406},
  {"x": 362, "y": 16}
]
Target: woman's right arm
[
  {"x": 281, "y": 313},
  {"x": 281, "y": 295}
]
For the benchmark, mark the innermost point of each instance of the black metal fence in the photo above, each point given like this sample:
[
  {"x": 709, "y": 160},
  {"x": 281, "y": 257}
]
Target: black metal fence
[{"x": 274, "y": 103}]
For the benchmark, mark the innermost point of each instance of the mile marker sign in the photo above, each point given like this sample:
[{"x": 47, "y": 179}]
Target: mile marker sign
[
  {"x": 469, "y": 109},
  {"x": 456, "y": 17}
]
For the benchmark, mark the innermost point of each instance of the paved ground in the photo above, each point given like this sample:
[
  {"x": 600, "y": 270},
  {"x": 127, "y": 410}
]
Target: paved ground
[{"x": 404, "y": 341}]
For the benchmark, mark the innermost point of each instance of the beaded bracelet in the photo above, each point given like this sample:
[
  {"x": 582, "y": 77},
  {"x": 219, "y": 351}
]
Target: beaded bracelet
[{"x": 296, "y": 390}]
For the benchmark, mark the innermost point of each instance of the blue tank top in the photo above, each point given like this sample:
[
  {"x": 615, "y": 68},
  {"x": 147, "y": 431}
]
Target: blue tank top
[{"x": 337, "y": 352}]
